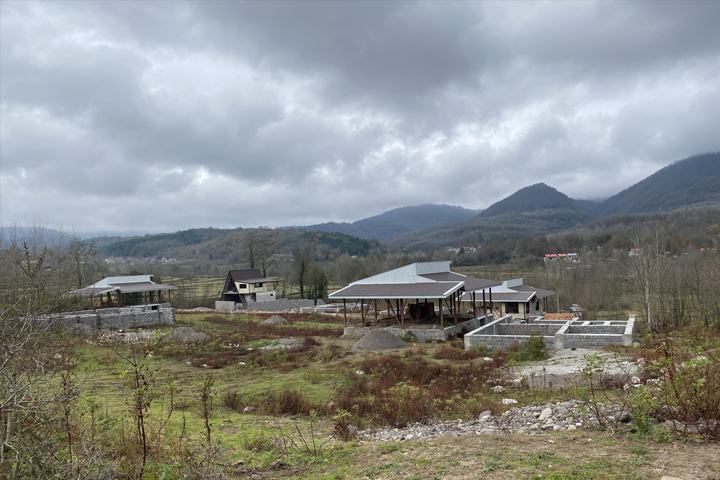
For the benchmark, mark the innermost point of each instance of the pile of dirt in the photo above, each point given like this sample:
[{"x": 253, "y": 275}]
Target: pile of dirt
[
  {"x": 276, "y": 320},
  {"x": 378, "y": 340},
  {"x": 187, "y": 335}
]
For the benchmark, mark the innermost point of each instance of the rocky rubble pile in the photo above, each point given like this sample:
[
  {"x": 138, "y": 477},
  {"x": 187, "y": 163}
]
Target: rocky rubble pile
[{"x": 534, "y": 420}]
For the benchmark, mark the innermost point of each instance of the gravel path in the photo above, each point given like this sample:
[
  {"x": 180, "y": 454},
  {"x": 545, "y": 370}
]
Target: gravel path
[
  {"x": 564, "y": 367},
  {"x": 533, "y": 420}
]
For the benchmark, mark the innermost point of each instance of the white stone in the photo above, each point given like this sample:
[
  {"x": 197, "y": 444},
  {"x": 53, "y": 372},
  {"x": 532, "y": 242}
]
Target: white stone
[{"x": 545, "y": 414}]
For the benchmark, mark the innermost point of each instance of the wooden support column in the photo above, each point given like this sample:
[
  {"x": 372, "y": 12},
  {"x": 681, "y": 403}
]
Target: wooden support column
[
  {"x": 492, "y": 309},
  {"x": 345, "y": 311},
  {"x": 362, "y": 311},
  {"x": 427, "y": 313},
  {"x": 456, "y": 301},
  {"x": 442, "y": 316},
  {"x": 474, "y": 305},
  {"x": 376, "y": 309},
  {"x": 402, "y": 315},
  {"x": 484, "y": 304}
]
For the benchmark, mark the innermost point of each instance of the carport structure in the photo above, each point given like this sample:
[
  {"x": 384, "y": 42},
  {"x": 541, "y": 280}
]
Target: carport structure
[
  {"x": 131, "y": 288},
  {"x": 418, "y": 281}
]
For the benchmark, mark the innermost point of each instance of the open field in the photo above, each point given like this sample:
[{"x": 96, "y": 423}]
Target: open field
[{"x": 298, "y": 394}]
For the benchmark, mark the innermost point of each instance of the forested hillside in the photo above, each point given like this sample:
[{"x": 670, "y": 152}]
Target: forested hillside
[
  {"x": 693, "y": 181},
  {"x": 397, "y": 221},
  {"x": 226, "y": 246},
  {"x": 533, "y": 198}
]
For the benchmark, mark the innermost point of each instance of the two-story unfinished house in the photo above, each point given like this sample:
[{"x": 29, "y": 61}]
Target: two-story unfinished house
[{"x": 248, "y": 286}]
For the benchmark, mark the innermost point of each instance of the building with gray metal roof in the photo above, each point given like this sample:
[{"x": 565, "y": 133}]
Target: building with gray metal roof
[{"x": 418, "y": 281}]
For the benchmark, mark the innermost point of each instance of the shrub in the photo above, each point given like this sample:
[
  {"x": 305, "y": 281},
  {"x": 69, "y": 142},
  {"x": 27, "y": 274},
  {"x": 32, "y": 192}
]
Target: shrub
[
  {"x": 288, "y": 401},
  {"x": 532, "y": 349},
  {"x": 232, "y": 400},
  {"x": 395, "y": 390}
]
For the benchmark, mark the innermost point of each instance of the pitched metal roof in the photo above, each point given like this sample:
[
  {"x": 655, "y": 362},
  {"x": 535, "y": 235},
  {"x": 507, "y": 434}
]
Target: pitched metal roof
[
  {"x": 125, "y": 287},
  {"x": 503, "y": 297},
  {"x": 143, "y": 287},
  {"x": 539, "y": 292},
  {"x": 471, "y": 283},
  {"x": 397, "y": 290}
]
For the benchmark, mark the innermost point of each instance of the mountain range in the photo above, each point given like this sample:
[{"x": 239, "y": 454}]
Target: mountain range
[
  {"x": 540, "y": 209},
  {"x": 534, "y": 210},
  {"x": 396, "y": 221}
]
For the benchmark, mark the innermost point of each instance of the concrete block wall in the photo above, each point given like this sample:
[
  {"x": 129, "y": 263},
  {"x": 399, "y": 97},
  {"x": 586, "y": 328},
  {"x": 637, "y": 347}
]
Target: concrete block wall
[
  {"x": 423, "y": 335},
  {"x": 125, "y": 317},
  {"x": 589, "y": 340},
  {"x": 596, "y": 329},
  {"x": 224, "y": 306},
  {"x": 281, "y": 305},
  {"x": 494, "y": 334}
]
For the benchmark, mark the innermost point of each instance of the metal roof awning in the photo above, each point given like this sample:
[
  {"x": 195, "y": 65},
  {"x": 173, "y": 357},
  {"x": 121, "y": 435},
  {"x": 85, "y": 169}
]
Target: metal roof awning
[
  {"x": 471, "y": 283},
  {"x": 133, "y": 287},
  {"x": 143, "y": 287},
  {"x": 539, "y": 292},
  {"x": 503, "y": 297},
  {"x": 389, "y": 291},
  {"x": 93, "y": 290}
]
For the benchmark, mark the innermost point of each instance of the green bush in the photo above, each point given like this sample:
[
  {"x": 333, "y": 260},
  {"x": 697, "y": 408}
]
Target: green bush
[{"x": 532, "y": 349}]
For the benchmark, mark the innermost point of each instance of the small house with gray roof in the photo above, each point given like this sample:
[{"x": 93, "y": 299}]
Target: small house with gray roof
[{"x": 248, "y": 286}]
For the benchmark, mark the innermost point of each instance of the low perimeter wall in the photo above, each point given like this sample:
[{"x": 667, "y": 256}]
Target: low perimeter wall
[
  {"x": 123, "y": 317},
  {"x": 424, "y": 335},
  {"x": 280, "y": 305},
  {"x": 502, "y": 333},
  {"x": 596, "y": 334}
]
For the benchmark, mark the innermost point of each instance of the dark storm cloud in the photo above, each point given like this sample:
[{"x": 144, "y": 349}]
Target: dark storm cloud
[{"x": 287, "y": 113}]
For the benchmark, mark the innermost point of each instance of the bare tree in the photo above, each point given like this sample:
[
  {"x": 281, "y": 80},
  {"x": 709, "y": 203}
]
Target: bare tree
[
  {"x": 84, "y": 260},
  {"x": 647, "y": 268},
  {"x": 259, "y": 251}
]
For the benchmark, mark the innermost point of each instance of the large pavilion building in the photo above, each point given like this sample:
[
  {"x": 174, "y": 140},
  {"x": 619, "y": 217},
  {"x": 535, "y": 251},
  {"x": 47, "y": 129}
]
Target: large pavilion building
[{"x": 417, "y": 288}]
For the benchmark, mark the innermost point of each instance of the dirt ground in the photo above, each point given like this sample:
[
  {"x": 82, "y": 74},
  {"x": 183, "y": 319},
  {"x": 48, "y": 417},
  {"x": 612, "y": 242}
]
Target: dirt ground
[{"x": 517, "y": 456}]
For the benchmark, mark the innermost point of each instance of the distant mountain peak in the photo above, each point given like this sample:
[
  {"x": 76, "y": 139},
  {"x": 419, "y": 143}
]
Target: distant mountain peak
[{"x": 539, "y": 196}]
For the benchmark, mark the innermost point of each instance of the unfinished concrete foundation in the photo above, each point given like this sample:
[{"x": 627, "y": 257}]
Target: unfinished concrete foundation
[{"x": 556, "y": 334}]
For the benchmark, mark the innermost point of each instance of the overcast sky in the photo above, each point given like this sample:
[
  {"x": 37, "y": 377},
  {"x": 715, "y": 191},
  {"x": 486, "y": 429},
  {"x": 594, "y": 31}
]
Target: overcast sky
[{"x": 162, "y": 116}]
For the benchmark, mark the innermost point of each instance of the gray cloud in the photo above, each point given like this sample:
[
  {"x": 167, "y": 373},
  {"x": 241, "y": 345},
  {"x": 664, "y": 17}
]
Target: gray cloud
[{"x": 284, "y": 113}]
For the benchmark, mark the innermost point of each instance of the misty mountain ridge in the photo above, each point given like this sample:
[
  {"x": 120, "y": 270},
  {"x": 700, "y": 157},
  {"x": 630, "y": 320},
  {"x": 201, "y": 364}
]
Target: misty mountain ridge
[{"x": 396, "y": 221}]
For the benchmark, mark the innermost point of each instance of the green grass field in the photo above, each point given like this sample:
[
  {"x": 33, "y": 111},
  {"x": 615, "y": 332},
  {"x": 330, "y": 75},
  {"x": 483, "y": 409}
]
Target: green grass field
[{"x": 300, "y": 443}]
